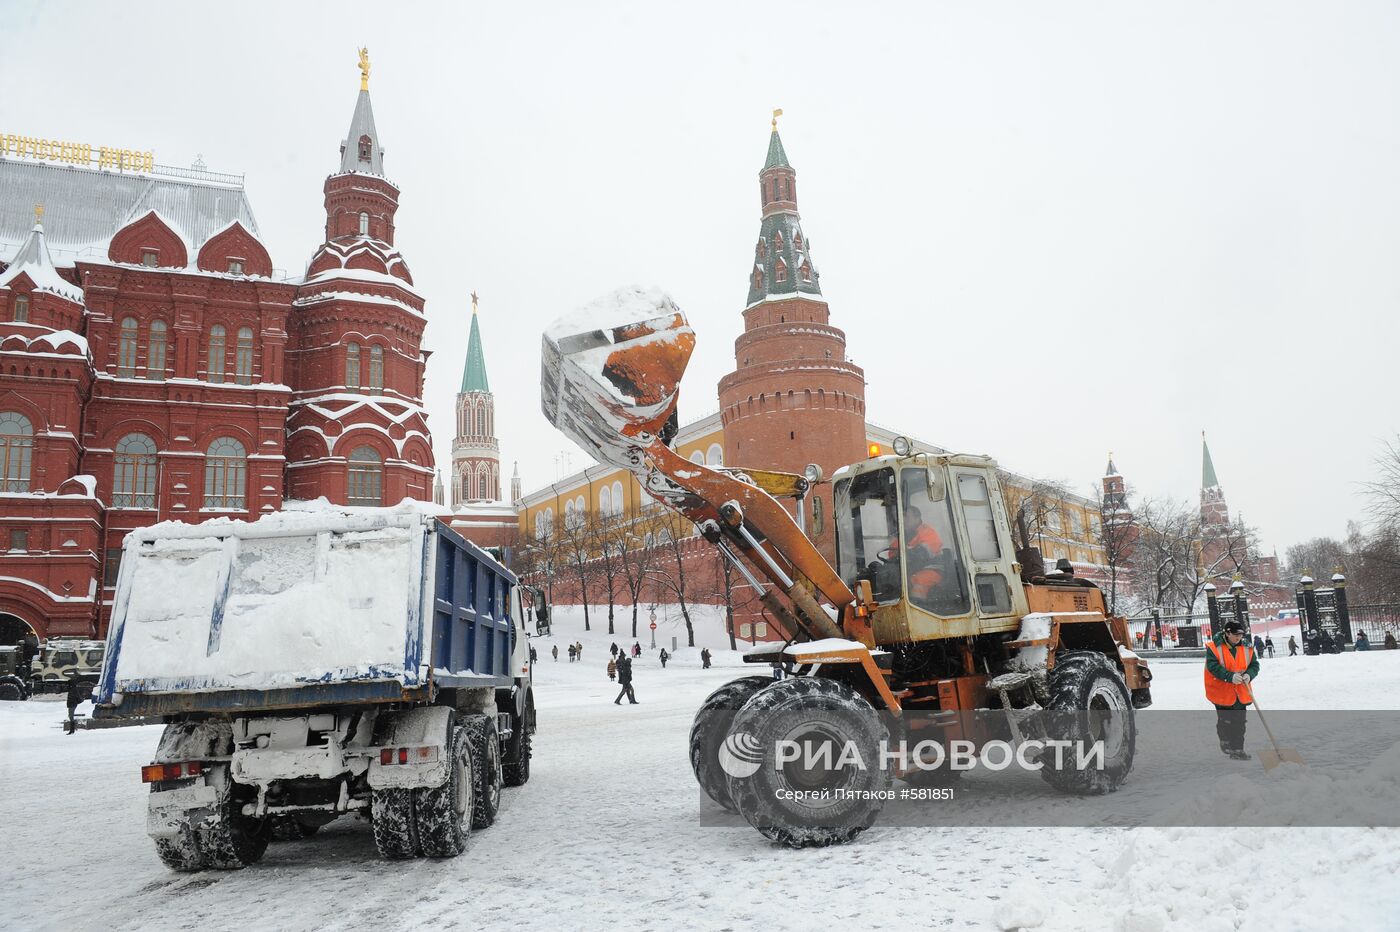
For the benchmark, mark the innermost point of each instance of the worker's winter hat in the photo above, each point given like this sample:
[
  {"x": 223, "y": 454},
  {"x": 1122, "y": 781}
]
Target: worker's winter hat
[{"x": 1234, "y": 626}]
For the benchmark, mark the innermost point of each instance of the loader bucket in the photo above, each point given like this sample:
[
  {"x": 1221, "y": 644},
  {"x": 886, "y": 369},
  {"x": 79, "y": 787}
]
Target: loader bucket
[{"x": 611, "y": 371}]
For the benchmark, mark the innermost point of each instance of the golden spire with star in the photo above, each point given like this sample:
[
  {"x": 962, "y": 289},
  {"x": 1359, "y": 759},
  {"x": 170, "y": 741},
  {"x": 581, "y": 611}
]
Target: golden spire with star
[
  {"x": 776, "y": 113},
  {"x": 473, "y": 301}
]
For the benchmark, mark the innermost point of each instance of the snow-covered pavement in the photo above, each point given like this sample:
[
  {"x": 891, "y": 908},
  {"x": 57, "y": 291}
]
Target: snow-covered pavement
[{"x": 607, "y": 834}]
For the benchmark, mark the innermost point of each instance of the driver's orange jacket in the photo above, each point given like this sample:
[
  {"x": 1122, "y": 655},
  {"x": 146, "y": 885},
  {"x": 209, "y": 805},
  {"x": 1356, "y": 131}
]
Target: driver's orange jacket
[{"x": 923, "y": 580}]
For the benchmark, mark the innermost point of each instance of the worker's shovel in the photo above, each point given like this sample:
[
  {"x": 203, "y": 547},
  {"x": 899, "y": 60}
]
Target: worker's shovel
[{"x": 1271, "y": 759}]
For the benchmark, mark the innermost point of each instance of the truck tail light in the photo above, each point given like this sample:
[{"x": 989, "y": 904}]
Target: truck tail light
[
  {"x": 157, "y": 773},
  {"x": 418, "y": 755}
]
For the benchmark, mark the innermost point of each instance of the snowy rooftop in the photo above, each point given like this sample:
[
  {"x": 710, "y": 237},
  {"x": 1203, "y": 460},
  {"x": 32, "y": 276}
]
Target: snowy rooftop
[{"x": 84, "y": 208}]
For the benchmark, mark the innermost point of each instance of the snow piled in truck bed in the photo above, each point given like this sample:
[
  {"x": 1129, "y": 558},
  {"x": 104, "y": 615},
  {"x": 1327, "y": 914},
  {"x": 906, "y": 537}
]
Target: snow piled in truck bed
[
  {"x": 624, "y": 306},
  {"x": 262, "y": 612}
]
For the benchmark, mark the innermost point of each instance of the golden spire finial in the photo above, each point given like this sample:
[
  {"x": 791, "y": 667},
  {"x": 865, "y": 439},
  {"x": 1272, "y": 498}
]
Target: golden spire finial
[
  {"x": 38, "y": 213},
  {"x": 473, "y": 301},
  {"x": 364, "y": 68},
  {"x": 776, "y": 113}
]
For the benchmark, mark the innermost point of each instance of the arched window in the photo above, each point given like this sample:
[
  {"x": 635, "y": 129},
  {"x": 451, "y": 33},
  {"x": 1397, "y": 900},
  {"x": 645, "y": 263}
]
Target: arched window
[
  {"x": 225, "y": 475},
  {"x": 155, "y": 352},
  {"x": 366, "y": 475},
  {"x": 617, "y": 498},
  {"x": 549, "y": 522},
  {"x": 16, "y": 451},
  {"x": 780, "y": 271},
  {"x": 483, "y": 475},
  {"x": 365, "y": 144},
  {"x": 126, "y": 348},
  {"x": 762, "y": 249},
  {"x": 757, "y": 277},
  {"x": 364, "y": 223},
  {"x": 243, "y": 360},
  {"x": 21, "y": 308},
  {"x": 352, "y": 365},
  {"x": 698, "y": 457},
  {"x": 715, "y": 455},
  {"x": 134, "y": 472},
  {"x": 605, "y": 500},
  {"x": 778, "y": 241},
  {"x": 376, "y": 368},
  {"x": 217, "y": 360},
  {"x": 806, "y": 271}
]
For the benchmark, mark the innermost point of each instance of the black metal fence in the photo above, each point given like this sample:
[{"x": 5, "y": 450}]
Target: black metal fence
[{"x": 1376, "y": 621}]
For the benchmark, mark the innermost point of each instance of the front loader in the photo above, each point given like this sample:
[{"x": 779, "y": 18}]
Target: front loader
[{"x": 926, "y": 617}]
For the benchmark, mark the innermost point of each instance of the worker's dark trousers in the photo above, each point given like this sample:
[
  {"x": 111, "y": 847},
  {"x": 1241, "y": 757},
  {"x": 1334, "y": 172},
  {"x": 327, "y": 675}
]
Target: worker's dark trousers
[
  {"x": 1229, "y": 725},
  {"x": 626, "y": 691}
]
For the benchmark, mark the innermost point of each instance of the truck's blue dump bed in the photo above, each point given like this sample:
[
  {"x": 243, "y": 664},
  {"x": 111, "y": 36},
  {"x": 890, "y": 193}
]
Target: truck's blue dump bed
[{"x": 302, "y": 609}]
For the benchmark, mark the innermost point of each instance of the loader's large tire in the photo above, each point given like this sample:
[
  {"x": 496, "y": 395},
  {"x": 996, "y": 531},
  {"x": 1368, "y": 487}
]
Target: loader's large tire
[
  {"x": 486, "y": 751},
  {"x": 395, "y": 832},
  {"x": 1089, "y": 702},
  {"x": 709, "y": 730},
  {"x": 812, "y": 712},
  {"x": 515, "y": 767},
  {"x": 443, "y": 814}
]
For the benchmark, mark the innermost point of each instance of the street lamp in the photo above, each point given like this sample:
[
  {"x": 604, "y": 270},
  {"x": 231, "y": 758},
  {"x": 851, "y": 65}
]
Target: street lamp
[{"x": 653, "y": 629}]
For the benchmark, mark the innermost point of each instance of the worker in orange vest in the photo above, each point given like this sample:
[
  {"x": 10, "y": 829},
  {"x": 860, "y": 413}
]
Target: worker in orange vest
[
  {"x": 922, "y": 545},
  {"x": 1230, "y": 666}
]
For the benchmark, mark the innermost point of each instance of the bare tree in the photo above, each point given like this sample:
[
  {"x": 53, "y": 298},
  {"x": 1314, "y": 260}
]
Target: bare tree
[
  {"x": 1222, "y": 552},
  {"x": 1160, "y": 553},
  {"x": 576, "y": 545},
  {"x": 1117, "y": 533},
  {"x": 635, "y": 556},
  {"x": 672, "y": 529},
  {"x": 1383, "y": 493},
  {"x": 1034, "y": 509},
  {"x": 727, "y": 571},
  {"x": 608, "y": 564}
]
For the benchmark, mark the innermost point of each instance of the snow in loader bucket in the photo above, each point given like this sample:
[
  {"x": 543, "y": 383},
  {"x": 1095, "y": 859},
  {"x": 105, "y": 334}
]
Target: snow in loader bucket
[
  {"x": 291, "y": 602},
  {"x": 610, "y": 371}
]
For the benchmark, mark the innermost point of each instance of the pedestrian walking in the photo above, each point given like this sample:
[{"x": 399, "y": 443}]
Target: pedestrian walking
[
  {"x": 1258, "y": 646},
  {"x": 1363, "y": 642},
  {"x": 664, "y": 657},
  {"x": 556, "y": 653},
  {"x": 1269, "y": 646},
  {"x": 612, "y": 669},
  {"x": 705, "y": 658},
  {"x": 533, "y": 656},
  {"x": 624, "y": 677},
  {"x": 636, "y": 648},
  {"x": 613, "y": 649},
  {"x": 578, "y": 650},
  {"x": 1231, "y": 664},
  {"x": 1390, "y": 642},
  {"x": 1292, "y": 647}
]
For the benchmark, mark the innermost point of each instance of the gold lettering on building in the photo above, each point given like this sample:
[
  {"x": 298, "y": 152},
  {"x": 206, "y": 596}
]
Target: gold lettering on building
[{"x": 76, "y": 153}]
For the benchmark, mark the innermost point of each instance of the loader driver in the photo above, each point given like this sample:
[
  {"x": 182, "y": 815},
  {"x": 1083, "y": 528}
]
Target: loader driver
[
  {"x": 1230, "y": 665},
  {"x": 922, "y": 547}
]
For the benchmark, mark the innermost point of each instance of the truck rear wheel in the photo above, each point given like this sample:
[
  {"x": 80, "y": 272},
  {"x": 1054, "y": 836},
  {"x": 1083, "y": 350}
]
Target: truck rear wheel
[
  {"x": 232, "y": 840},
  {"x": 825, "y": 796},
  {"x": 443, "y": 814},
  {"x": 515, "y": 770},
  {"x": 391, "y": 815},
  {"x": 12, "y": 689},
  {"x": 180, "y": 853},
  {"x": 486, "y": 751},
  {"x": 709, "y": 730},
  {"x": 1089, "y": 703}
]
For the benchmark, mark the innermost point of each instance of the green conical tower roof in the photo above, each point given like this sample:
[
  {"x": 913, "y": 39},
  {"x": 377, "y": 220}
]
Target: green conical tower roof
[
  {"x": 777, "y": 158},
  {"x": 474, "y": 373},
  {"x": 1208, "y": 480}
]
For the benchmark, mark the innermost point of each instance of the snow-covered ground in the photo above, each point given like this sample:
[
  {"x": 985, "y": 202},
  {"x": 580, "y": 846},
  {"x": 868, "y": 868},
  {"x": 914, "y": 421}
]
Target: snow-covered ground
[{"x": 607, "y": 834}]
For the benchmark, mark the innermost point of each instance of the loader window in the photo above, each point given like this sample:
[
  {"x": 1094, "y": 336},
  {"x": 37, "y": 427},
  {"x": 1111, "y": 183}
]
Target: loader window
[
  {"x": 977, "y": 512},
  {"x": 867, "y": 518},
  {"x": 932, "y": 557}
]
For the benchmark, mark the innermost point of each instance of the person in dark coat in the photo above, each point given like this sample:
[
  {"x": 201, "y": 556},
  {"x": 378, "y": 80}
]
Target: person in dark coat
[
  {"x": 1292, "y": 647},
  {"x": 637, "y": 649},
  {"x": 705, "y": 659},
  {"x": 613, "y": 649},
  {"x": 1390, "y": 642},
  {"x": 571, "y": 653},
  {"x": 533, "y": 656},
  {"x": 556, "y": 653},
  {"x": 1363, "y": 642},
  {"x": 664, "y": 657},
  {"x": 1269, "y": 646},
  {"x": 1258, "y": 646},
  {"x": 624, "y": 676}
]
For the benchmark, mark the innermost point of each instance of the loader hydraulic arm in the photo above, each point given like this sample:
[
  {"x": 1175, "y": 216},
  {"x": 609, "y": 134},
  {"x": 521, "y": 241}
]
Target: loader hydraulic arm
[{"x": 610, "y": 382}]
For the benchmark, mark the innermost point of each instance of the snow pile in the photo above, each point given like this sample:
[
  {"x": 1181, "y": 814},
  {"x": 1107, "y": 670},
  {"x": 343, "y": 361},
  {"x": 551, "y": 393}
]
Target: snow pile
[
  {"x": 273, "y": 604},
  {"x": 1034, "y": 627},
  {"x": 1019, "y": 907}
]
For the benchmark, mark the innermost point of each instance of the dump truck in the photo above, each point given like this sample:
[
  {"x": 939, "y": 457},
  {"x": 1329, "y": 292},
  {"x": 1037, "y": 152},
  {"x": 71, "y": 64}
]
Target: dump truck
[
  {"x": 313, "y": 665},
  {"x": 931, "y": 628}
]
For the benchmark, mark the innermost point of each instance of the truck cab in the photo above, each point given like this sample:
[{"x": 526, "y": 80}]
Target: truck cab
[{"x": 930, "y": 534}]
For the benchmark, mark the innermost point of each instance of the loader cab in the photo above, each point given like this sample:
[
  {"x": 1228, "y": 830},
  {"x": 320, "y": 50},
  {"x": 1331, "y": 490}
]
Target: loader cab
[{"x": 930, "y": 534}]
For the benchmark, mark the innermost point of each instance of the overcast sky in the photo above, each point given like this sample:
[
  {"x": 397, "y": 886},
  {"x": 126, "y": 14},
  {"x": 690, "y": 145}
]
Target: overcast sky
[{"x": 1049, "y": 230}]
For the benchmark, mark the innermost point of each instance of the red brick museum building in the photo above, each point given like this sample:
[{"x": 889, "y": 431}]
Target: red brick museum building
[{"x": 155, "y": 366}]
